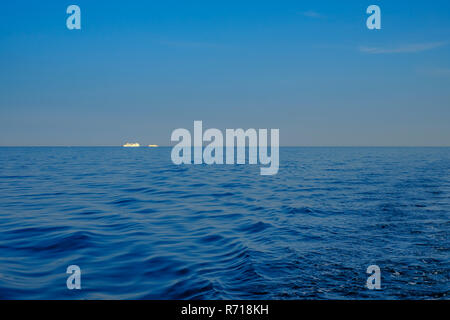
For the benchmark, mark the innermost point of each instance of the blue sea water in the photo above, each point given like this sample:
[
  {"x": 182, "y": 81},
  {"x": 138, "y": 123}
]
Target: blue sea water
[{"x": 140, "y": 227}]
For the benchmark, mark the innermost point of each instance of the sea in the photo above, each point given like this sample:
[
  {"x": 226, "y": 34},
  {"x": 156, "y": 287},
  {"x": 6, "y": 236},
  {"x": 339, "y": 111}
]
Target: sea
[{"x": 140, "y": 227}]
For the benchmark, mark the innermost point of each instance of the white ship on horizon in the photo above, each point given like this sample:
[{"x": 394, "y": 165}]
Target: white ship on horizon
[{"x": 132, "y": 145}]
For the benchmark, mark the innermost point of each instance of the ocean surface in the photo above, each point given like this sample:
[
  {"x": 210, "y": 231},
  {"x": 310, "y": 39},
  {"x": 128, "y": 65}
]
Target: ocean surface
[{"x": 140, "y": 227}]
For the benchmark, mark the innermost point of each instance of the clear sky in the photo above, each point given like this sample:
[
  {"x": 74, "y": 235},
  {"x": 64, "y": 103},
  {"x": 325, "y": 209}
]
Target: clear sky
[{"x": 137, "y": 70}]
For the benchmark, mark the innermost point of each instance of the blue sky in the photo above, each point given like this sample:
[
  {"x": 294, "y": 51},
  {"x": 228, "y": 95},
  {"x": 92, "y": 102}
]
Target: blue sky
[{"x": 137, "y": 70}]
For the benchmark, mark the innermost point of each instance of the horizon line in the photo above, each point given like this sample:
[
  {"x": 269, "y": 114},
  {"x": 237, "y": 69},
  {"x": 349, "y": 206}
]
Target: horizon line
[{"x": 283, "y": 146}]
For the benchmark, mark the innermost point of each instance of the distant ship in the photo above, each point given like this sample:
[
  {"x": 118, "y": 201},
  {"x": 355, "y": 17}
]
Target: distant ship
[
  {"x": 131, "y": 144},
  {"x": 153, "y": 145}
]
